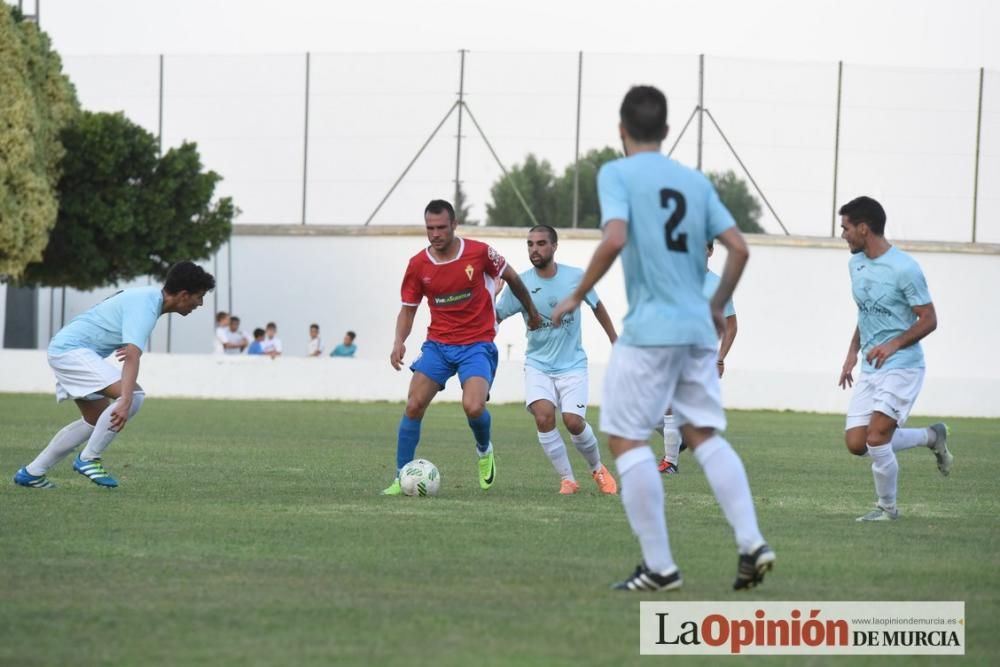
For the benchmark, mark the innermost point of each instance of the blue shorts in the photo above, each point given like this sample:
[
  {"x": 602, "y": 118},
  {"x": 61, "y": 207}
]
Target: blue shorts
[{"x": 439, "y": 361}]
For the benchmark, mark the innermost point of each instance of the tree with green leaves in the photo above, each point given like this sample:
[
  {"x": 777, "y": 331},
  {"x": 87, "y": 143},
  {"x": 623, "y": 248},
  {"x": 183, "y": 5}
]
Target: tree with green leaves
[
  {"x": 125, "y": 212},
  {"x": 36, "y": 102},
  {"x": 551, "y": 198},
  {"x": 462, "y": 207},
  {"x": 735, "y": 194},
  {"x": 534, "y": 179},
  {"x": 589, "y": 211}
]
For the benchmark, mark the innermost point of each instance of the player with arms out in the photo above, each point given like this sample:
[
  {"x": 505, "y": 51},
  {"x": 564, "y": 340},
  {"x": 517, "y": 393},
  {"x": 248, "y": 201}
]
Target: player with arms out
[
  {"x": 895, "y": 312},
  {"x": 672, "y": 444},
  {"x": 121, "y": 324},
  {"x": 658, "y": 215},
  {"x": 555, "y": 368},
  {"x": 458, "y": 277}
]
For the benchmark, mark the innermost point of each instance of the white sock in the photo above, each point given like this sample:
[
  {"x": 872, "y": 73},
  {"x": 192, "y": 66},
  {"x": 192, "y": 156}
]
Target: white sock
[
  {"x": 103, "y": 435},
  {"x": 728, "y": 479},
  {"x": 885, "y": 470},
  {"x": 905, "y": 438},
  {"x": 586, "y": 444},
  {"x": 642, "y": 495},
  {"x": 671, "y": 439},
  {"x": 554, "y": 447},
  {"x": 64, "y": 442}
]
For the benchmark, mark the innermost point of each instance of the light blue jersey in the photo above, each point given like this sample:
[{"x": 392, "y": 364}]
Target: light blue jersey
[
  {"x": 886, "y": 289},
  {"x": 712, "y": 281},
  {"x": 552, "y": 350},
  {"x": 127, "y": 317},
  {"x": 671, "y": 212}
]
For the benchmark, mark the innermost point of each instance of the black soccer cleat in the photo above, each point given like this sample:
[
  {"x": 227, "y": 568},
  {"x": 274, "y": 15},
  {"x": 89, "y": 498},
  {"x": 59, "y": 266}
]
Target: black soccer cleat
[
  {"x": 752, "y": 567},
  {"x": 643, "y": 579}
]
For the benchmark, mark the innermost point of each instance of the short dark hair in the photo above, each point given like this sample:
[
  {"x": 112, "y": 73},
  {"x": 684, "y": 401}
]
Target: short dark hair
[
  {"x": 644, "y": 114},
  {"x": 314, "y": 326},
  {"x": 352, "y": 335},
  {"x": 553, "y": 236},
  {"x": 258, "y": 332},
  {"x": 272, "y": 325},
  {"x": 188, "y": 277},
  {"x": 866, "y": 210},
  {"x": 440, "y": 206},
  {"x": 234, "y": 318}
]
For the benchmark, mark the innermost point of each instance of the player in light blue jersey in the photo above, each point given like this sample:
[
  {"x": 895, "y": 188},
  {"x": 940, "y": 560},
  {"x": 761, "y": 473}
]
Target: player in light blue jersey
[
  {"x": 121, "y": 325},
  {"x": 555, "y": 368},
  {"x": 895, "y": 312},
  {"x": 672, "y": 445},
  {"x": 658, "y": 215}
]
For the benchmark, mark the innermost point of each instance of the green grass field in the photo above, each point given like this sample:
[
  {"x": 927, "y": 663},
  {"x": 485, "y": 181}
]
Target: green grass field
[{"x": 252, "y": 533}]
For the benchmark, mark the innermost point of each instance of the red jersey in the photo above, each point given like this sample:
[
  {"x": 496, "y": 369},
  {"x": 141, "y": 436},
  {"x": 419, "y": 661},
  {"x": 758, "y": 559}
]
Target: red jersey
[{"x": 459, "y": 292}]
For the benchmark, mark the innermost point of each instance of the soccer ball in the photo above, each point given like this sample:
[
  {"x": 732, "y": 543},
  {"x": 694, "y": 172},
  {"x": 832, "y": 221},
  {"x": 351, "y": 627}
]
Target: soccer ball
[{"x": 420, "y": 477}]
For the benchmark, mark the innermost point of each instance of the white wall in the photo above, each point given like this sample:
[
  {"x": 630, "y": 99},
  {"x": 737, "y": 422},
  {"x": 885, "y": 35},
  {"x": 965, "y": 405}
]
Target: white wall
[
  {"x": 243, "y": 377},
  {"x": 794, "y": 306}
]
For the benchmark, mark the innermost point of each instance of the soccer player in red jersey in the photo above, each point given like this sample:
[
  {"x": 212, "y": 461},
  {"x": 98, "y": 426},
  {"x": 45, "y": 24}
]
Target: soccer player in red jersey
[{"x": 458, "y": 276}]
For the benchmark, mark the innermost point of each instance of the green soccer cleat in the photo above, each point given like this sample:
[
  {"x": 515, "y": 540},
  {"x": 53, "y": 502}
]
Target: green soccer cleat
[
  {"x": 95, "y": 472},
  {"x": 394, "y": 489},
  {"x": 880, "y": 514},
  {"x": 487, "y": 470}
]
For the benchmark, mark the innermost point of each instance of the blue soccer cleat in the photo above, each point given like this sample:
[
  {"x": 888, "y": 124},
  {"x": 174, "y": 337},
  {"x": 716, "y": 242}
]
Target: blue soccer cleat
[
  {"x": 95, "y": 472},
  {"x": 24, "y": 478}
]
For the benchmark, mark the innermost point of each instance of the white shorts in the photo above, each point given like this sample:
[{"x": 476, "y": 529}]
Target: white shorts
[
  {"x": 890, "y": 392},
  {"x": 80, "y": 374},
  {"x": 642, "y": 382},
  {"x": 567, "y": 391}
]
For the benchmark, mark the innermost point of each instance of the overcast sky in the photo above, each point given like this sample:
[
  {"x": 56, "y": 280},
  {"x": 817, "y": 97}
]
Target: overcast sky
[
  {"x": 957, "y": 33},
  {"x": 910, "y": 91}
]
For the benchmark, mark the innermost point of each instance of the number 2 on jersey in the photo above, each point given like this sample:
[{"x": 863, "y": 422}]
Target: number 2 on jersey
[{"x": 678, "y": 243}]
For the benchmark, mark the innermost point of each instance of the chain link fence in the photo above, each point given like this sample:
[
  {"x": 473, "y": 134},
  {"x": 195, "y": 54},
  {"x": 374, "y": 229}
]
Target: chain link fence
[{"x": 321, "y": 138}]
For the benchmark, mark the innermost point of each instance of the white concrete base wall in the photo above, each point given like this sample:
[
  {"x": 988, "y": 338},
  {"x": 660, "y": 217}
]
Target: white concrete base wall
[
  {"x": 242, "y": 377},
  {"x": 794, "y": 305}
]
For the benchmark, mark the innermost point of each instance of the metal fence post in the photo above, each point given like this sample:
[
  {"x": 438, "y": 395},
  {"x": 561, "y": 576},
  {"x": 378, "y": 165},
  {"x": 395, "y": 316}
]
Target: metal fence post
[
  {"x": 701, "y": 104},
  {"x": 836, "y": 146},
  {"x": 305, "y": 144},
  {"x": 975, "y": 182},
  {"x": 159, "y": 151},
  {"x": 576, "y": 153},
  {"x": 458, "y": 137}
]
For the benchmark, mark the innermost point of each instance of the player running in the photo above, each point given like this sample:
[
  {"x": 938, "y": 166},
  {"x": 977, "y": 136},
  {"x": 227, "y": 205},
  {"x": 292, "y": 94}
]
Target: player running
[
  {"x": 458, "y": 277},
  {"x": 672, "y": 445},
  {"x": 555, "y": 368},
  {"x": 121, "y": 324},
  {"x": 894, "y": 313},
  {"x": 659, "y": 215}
]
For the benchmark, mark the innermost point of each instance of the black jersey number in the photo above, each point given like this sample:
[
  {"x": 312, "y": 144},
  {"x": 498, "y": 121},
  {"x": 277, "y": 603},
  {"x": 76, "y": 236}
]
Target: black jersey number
[{"x": 675, "y": 242}]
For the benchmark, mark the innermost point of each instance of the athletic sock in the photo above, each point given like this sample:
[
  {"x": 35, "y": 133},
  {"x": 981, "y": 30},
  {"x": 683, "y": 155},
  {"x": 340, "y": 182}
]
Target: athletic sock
[
  {"x": 728, "y": 479},
  {"x": 64, "y": 442},
  {"x": 906, "y": 438},
  {"x": 481, "y": 429},
  {"x": 642, "y": 495},
  {"x": 586, "y": 444},
  {"x": 671, "y": 439},
  {"x": 406, "y": 441},
  {"x": 102, "y": 435},
  {"x": 885, "y": 470},
  {"x": 554, "y": 447}
]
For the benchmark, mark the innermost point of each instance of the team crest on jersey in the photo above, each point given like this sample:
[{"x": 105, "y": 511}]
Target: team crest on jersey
[{"x": 469, "y": 270}]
